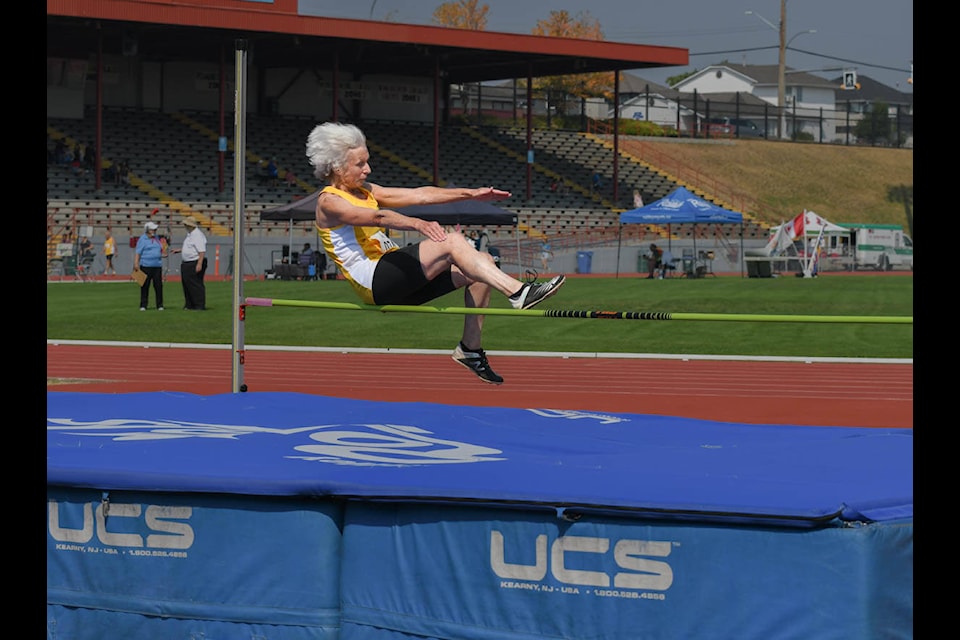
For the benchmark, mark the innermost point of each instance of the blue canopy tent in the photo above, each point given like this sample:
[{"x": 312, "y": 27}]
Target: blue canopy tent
[{"x": 680, "y": 206}]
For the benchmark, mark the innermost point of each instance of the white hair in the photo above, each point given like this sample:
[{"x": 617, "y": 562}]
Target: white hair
[{"x": 328, "y": 144}]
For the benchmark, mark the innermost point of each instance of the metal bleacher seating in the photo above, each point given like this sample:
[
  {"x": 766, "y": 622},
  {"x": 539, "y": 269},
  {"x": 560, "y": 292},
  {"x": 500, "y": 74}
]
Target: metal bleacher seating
[
  {"x": 173, "y": 158},
  {"x": 170, "y": 161}
]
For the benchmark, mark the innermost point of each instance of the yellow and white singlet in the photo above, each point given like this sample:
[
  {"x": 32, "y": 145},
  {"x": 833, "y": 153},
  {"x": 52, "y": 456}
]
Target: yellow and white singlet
[{"x": 355, "y": 250}]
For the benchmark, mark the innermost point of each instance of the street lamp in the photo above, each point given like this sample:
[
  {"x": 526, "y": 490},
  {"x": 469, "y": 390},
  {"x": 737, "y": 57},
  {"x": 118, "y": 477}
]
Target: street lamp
[
  {"x": 796, "y": 35},
  {"x": 782, "y": 62}
]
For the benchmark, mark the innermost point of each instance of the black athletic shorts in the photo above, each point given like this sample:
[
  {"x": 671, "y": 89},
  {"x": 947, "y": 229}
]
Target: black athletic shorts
[{"x": 399, "y": 279}]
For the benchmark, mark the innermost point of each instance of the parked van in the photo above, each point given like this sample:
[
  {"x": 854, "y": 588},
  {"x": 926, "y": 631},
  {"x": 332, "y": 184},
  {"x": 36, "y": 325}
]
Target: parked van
[{"x": 879, "y": 246}]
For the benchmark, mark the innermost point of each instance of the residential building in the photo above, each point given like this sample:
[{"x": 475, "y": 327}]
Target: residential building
[
  {"x": 853, "y": 104},
  {"x": 810, "y": 100},
  {"x": 817, "y": 109},
  {"x": 641, "y": 99},
  {"x": 687, "y": 113}
]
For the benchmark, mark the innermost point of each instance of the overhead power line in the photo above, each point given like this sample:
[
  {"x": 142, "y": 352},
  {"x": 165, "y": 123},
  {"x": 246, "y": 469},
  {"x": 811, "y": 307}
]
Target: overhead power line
[{"x": 809, "y": 53}]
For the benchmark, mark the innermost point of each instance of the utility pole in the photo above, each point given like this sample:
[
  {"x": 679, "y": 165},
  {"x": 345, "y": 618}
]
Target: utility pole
[
  {"x": 782, "y": 72},
  {"x": 782, "y": 62}
]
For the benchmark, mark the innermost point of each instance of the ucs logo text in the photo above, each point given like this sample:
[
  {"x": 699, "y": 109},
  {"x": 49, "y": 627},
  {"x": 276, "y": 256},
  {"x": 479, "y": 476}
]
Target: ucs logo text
[
  {"x": 164, "y": 524},
  {"x": 633, "y": 556}
]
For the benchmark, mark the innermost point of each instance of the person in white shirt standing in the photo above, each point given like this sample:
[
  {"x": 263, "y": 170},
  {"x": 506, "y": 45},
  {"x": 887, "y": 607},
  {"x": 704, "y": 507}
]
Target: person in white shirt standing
[{"x": 193, "y": 266}]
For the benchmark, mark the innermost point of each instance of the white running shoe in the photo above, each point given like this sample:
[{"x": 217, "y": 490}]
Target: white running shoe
[{"x": 533, "y": 293}]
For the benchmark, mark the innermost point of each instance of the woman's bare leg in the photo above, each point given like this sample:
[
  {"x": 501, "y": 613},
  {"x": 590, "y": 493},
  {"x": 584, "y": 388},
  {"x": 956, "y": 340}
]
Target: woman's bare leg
[
  {"x": 457, "y": 251},
  {"x": 475, "y": 296}
]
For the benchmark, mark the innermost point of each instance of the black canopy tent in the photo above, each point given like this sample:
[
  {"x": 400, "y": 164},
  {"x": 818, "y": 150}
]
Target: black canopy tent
[{"x": 464, "y": 212}]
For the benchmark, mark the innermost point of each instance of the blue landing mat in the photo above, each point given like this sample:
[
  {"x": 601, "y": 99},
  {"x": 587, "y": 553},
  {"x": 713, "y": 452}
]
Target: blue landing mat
[{"x": 288, "y": 444}]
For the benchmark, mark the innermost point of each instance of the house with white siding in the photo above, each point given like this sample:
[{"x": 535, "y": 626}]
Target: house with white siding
[{"x": 811, "y": 101}]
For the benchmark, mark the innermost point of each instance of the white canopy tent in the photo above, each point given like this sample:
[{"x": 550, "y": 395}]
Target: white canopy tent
[{"x": 808, "y": 228}]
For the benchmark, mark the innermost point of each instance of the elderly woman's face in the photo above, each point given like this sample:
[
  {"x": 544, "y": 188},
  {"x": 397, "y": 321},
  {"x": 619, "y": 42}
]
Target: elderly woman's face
[{"x": 355, "y": 167}]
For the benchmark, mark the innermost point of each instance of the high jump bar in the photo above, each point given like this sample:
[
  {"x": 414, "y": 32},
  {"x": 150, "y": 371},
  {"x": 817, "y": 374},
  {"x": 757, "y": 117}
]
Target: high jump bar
[{"x": 607, "y": 315}]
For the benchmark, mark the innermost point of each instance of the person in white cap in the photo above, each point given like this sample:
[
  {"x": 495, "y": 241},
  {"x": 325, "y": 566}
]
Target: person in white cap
[
  {"x": 193, "y": 266},
  {"x": 148, "y": 258}
]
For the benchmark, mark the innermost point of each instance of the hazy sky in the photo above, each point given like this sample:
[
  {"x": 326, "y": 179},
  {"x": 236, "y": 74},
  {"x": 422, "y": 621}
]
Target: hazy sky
[{"x": 872, "y": 37}]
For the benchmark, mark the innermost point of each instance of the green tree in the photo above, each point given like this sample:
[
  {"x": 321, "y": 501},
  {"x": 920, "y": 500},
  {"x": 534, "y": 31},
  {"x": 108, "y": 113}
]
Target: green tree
[
  {"x": 903, "y": 194},
  {"x": 463, "y": 14},
  {"x": 672, "y": 80},
  {"x": 559, "y": 89},
  {"x": 875, "y": 126}
]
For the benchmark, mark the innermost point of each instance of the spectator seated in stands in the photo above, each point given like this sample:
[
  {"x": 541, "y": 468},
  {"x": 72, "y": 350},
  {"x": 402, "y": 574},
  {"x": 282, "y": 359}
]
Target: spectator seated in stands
[
  {"x": 273, "y": 173},
  {"x": 90, "y": 158},
  {"x": 290, "y": 178},
  {"x": 61, "y": 153},
  {"x": 121, "y": 175},
  {"x": 263, "y": 173},
  {"x": 597, "y": 183},
  {"x": 77, "y": 168}
]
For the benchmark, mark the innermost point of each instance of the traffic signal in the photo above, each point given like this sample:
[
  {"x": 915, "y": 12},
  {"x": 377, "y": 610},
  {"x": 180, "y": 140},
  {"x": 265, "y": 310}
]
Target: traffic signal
[{"x": 850, "y": 80}]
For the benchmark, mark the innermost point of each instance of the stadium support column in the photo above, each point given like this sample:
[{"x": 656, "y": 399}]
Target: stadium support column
[
  {"x": 616, "y": 136},
  {"x": 529, "y": 130},
  {"x": 436, "y": 120}
]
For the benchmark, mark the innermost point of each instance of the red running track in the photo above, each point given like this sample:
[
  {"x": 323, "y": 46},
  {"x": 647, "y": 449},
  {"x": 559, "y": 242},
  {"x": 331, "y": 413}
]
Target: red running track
[{"x": 850, "y": 394}]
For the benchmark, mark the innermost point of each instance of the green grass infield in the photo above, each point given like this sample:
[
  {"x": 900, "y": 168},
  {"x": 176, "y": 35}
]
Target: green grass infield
[{"x": 110, "y": 312}]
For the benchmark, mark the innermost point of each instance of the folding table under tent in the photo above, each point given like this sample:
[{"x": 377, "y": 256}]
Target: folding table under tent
[{"x": 678, "y": 207}]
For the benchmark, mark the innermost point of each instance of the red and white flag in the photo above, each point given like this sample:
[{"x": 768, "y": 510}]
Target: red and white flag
[
  {"x": 795, "y": 227},
  {"x": 786, "y": 234}
]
